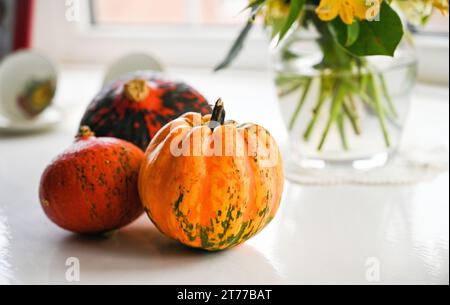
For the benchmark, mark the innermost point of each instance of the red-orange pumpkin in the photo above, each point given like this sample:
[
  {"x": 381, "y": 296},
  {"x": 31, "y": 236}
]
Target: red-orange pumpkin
[
  {"x": 92, "y": 187},
  {"x": 209, "y": 195}
]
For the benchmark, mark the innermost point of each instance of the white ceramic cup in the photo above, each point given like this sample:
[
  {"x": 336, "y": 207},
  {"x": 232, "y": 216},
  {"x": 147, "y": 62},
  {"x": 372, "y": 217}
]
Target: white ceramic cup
[
  {"x": 17, "y": 71},
  {"x": 131, "y": 63}
]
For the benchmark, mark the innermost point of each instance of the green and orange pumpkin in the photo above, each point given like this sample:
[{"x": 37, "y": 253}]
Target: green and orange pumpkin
[
  {"x": 206, "y": 183},
  {"x": 135, "y": 107},
  {"x": 92, "y": 187}
]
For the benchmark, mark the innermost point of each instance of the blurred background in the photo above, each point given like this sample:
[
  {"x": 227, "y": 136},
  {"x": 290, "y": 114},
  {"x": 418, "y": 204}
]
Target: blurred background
[{"x": 180, "y": 33}]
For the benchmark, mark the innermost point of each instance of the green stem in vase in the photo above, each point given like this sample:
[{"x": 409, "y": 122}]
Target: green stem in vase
[
  {"x": 341, "y": 127},
  {"x": 387, "y": 96},
  {"x": 301, "y": 103},
  {"x": 362, "y": 94},
  {"x": 351, "y": 111},
  {"x": 323, "y": 95},
  {"x": 336, "y": 108},
  {"x": 379, "y": 109},
  {"x": 363, "y": 83},
  {"x": 294, "y": 86},
  {"x": 352, "y": 104}
]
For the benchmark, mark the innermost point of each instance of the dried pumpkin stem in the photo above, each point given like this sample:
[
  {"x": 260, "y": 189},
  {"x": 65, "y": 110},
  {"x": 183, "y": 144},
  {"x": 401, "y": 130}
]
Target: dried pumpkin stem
[
  {"x": 218, "y": 115},
  {"x": 85, "y": 132},
  {"x": 137, "y": 90}
]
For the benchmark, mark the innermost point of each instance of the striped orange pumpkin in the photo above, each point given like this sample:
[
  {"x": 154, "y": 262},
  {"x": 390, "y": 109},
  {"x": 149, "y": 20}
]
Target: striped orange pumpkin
[{"x": 208, "y": 195}]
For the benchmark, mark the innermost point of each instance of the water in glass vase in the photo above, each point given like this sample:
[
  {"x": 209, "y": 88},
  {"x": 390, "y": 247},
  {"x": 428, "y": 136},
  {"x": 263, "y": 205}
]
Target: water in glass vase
[{"x": 344, "y": 119}]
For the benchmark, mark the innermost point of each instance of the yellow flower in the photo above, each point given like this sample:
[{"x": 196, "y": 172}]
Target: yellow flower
[
  {"x": 418, "y": 11},
  {"x": 441, "y": 5},
  {"x": 348, "y": 10}
]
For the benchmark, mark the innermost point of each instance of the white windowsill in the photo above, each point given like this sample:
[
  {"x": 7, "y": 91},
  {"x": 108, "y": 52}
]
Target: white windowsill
[{"x": 321, "y": 235}]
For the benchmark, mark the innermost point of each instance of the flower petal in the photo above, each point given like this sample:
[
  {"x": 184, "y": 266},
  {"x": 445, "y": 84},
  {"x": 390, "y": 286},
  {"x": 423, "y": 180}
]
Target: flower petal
[
  {"x": 328, "y": 9},
  {"x": 347, "y": 12}
]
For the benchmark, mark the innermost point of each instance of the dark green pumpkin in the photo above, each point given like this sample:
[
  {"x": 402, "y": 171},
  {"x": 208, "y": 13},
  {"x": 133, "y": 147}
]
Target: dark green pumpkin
[{"x": 137, "y": 106}]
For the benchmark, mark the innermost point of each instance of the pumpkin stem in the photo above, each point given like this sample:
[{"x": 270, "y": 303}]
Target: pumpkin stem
[
  {"x": 137, "y": 90},
  {"x": 85, "y": 132},
  {"x": 218, "y": 115}
]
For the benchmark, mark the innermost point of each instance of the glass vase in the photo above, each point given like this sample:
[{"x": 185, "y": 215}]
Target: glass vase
[{"x": 342, "y": 112}]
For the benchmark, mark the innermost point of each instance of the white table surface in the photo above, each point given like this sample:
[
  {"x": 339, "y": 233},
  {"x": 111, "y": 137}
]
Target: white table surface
[{"x": 322, "y": 235}]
